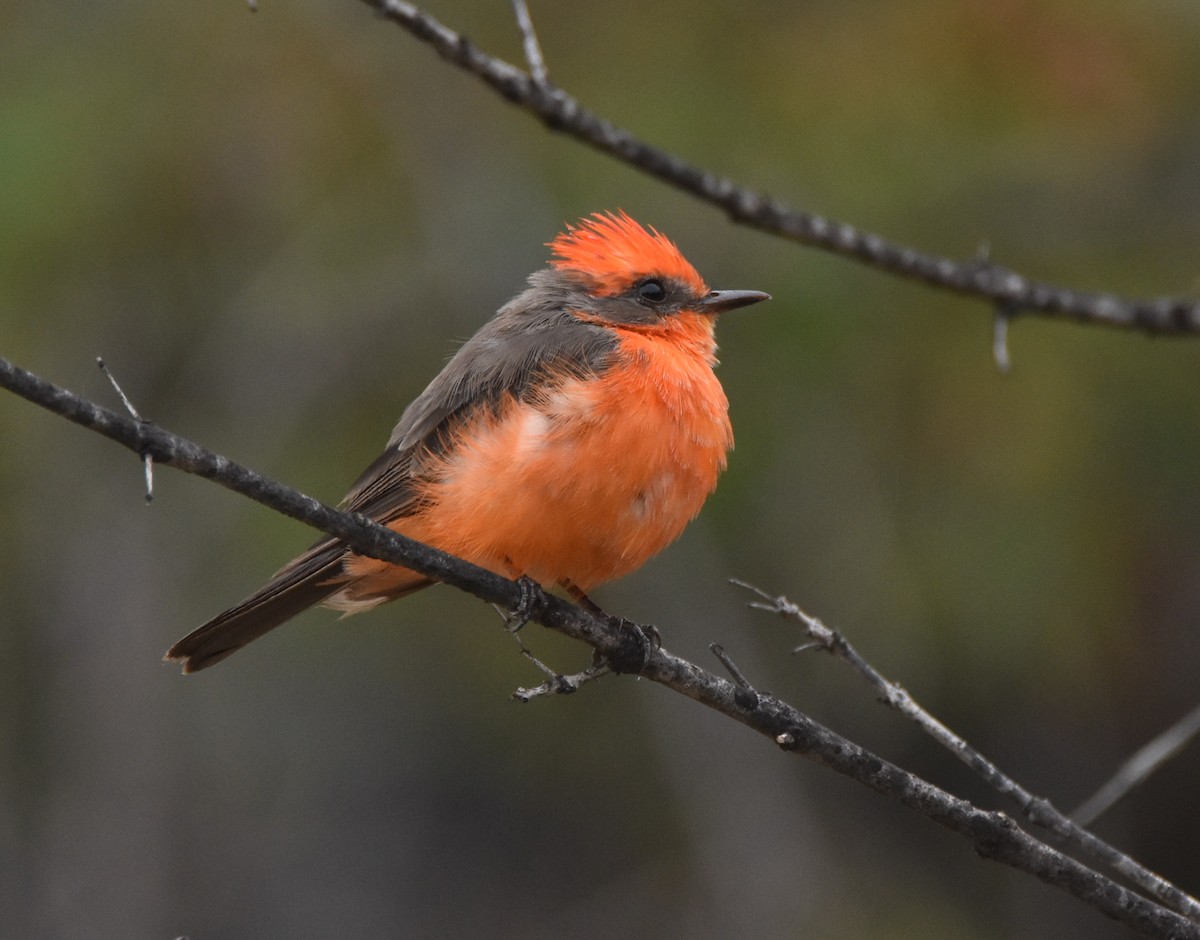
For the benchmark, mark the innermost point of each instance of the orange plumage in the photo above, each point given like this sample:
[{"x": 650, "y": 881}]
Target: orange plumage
[{"x": 570, "y": 440}]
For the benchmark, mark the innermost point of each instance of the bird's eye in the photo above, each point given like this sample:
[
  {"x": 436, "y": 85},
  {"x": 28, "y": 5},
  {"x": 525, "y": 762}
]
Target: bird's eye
[{"x": 652, "y": 291}]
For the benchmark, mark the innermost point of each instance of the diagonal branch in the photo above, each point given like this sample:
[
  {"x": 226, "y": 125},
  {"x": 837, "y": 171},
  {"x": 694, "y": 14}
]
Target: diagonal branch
[
  {"x": 1037, "y": 809},
  {"x": 977, "y": 277},
  {"x": 994, "y": 835}
]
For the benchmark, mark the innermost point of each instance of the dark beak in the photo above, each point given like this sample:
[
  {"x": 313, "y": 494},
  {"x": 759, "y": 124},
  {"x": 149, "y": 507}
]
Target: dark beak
[{"x": 719, "y": 301}]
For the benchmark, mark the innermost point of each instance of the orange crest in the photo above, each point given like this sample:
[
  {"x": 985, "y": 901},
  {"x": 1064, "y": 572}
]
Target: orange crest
[{"x": 613, "y": 251}]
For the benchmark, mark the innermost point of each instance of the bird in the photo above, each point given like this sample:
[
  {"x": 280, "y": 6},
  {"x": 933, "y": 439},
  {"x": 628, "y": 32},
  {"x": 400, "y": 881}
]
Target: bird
[{"x": 568, "y": 441}]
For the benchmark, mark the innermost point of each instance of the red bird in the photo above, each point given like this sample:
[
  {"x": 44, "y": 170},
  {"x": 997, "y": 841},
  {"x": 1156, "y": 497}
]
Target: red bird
[{"x": 569, "y": 440}]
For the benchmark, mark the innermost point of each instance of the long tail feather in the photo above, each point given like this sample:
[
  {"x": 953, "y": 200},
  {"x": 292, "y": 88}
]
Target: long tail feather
[{"x": 308, "y": 580}]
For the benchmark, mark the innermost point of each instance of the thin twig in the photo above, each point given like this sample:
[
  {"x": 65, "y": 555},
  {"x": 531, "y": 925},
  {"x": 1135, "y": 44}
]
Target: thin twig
[
  {"x": 1139, "y": 767},
  {"x": 556, "y": 683},
  {"x": 972, "y": 277},
  {"x": 731, "y": 667},
  {"x": 533, "y": 48},
  {"x": 747, "y": 695},
  {"x": 147, "y": 460},
  {"x": 1037, "y": 809},
  {"x": 993, "y": 835}
]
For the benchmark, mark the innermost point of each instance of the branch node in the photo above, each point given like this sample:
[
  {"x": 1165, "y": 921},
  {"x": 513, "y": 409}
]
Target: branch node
[{"x": 1041, "y": 812}]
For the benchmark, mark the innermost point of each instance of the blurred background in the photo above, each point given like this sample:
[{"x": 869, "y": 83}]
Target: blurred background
[{"x": 275, "y": 227}]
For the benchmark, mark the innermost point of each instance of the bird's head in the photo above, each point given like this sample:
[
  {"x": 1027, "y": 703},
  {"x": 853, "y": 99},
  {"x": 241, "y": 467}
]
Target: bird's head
[{"x": 627, "y": 275}]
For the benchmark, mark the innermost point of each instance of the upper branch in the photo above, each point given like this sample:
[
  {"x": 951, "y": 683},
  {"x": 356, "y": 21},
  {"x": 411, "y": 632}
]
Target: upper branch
[{"x": 976, "y": 277}]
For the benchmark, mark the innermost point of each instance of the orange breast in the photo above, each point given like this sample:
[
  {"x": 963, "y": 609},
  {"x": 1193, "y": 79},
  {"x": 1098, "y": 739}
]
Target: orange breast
[{"x": 584, "y": 483}]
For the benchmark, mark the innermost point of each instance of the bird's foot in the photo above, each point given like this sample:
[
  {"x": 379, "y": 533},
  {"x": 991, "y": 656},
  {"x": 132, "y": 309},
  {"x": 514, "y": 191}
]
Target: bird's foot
[
  {"x": 639, "y": 642},
  {"x": 524, "y": 611}
]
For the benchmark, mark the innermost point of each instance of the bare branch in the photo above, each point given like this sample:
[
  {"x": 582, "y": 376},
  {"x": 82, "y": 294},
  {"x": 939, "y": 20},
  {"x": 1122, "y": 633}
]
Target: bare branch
[
  {"x": 976, "y": 277},
  {"x": 993, "y": 835},
  {"x": 1037, "y": 809},
  {"x": 1139, "y": 767}
]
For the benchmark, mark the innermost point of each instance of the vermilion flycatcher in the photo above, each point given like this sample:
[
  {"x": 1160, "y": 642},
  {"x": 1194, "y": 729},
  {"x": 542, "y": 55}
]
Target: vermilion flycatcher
[{"x": 569, "y": 440}]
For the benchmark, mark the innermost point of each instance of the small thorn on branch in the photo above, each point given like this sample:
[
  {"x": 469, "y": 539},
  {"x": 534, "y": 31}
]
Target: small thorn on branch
[
  {"x": 133, "y": 412},
  {"x": 746, "y": 696},
  {"x": 147, "y": 460},
  {"x": 1006, "y": 309},
  {"x": 734, "y": 673},
  {"x": 1004, "y": 315}
]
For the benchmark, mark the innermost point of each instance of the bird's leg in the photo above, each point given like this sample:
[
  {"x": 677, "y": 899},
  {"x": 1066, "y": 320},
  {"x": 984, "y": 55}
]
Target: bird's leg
[
  {"x": 579, "y": 596},
  {"x": 646, "y": 635}
]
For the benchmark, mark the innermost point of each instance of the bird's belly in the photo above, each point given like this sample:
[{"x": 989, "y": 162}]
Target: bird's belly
[{"x": 588, "y": 482}]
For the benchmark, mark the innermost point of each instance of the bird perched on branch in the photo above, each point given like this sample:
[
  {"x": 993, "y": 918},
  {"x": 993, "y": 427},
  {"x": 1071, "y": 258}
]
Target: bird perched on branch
[{"x": 569, "y": 440}]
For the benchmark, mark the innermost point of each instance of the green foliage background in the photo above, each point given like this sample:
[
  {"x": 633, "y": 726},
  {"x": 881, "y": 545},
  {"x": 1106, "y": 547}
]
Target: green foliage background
[{"x": 275, "y": 227}]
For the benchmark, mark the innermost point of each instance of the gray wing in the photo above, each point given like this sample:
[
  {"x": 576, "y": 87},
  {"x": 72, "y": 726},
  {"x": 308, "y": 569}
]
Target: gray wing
[
  {"x": 510, "y": 356},
  {"x": 529, "y": 339}
]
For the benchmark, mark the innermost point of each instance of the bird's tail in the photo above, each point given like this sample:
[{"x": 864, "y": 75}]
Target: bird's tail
[{"x": 308, "y": 580}]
